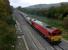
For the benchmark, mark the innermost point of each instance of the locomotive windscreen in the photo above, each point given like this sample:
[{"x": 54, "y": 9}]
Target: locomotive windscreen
[
  {"x": 56, "y": 32},
  {"x": 48, "y": 26}
]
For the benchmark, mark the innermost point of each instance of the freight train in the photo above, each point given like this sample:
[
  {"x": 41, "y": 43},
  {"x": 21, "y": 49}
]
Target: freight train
[{"x": 51, "y": 33}]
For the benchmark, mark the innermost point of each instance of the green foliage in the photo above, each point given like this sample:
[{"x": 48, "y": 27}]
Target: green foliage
[
  {"x": 7, "y": 35},
  {"x": 58, "y": 12},
  {"x": 7, "y": 26},
  {"x": 51, "y": 12},
  {"x": 10, "y": 21}
]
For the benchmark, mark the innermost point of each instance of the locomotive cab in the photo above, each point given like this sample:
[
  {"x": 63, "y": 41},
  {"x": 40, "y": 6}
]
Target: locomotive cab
[
  {"x": 54, "y": 34},
  {"x": 51, "y": 33}
]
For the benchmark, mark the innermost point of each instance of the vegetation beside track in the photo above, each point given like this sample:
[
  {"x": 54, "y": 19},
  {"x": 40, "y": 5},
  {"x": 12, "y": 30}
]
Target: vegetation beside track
[{"x": 7, "y": 26}]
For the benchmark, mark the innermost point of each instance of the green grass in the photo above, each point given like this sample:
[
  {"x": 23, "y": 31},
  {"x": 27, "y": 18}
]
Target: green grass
[{"x": 55, "y": 23}]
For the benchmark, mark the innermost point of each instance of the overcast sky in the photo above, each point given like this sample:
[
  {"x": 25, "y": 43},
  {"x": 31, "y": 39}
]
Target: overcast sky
[{"x": 25, "y": 3}]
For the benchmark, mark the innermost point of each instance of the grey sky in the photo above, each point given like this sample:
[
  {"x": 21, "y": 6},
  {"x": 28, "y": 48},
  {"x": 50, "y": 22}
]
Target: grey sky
[{"x": 25, "y": 3}]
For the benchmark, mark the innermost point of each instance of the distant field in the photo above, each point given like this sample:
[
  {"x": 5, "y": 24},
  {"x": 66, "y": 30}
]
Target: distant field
[{"x": 53, "y": 22}]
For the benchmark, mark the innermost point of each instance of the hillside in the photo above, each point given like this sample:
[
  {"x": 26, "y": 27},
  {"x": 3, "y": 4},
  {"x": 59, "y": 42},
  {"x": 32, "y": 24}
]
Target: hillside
[
  {"x": 45, "y": 6},
  {"x": 42, "y": 6}
]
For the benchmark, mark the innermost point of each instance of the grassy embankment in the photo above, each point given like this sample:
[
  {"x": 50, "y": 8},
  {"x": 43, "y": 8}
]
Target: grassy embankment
[{"x": 55, "y": 23}]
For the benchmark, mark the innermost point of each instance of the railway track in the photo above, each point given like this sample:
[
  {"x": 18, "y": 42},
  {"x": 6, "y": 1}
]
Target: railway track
[
  {"x": 62, "y": 46},
  {"x": 57, "y": 47}
]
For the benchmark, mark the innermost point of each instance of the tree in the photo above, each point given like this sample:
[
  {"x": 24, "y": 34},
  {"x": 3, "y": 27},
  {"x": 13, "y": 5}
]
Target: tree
[
  {"x": 51, "y": 12},
  {"x": 7, "y": 26}
]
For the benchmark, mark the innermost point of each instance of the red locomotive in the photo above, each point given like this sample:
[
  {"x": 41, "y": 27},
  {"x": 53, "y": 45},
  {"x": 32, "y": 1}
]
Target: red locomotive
[{"x": 51, "y": 33}]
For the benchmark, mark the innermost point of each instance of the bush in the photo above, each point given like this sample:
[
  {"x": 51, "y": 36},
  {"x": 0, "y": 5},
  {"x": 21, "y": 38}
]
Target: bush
[
  {"x": 7, "y": 26},
  {"x": 7, "y": 35},
  {"x": 65, "y": 22}
]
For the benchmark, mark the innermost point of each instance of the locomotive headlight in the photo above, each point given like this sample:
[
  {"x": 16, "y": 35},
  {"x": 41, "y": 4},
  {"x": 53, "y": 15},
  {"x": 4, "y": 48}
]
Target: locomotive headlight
[{"x": 56, "y": 38}]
